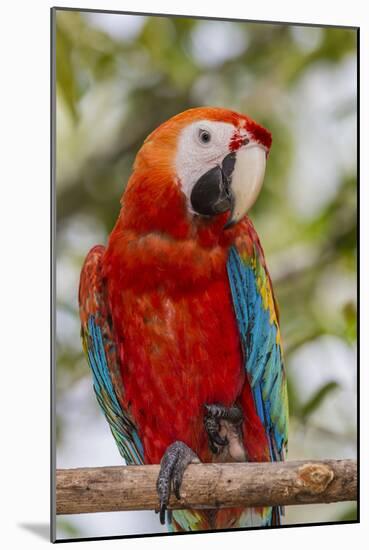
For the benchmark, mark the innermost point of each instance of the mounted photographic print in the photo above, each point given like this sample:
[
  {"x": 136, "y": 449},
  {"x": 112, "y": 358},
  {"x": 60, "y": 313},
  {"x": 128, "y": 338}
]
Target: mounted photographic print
[{"x": 204, "y": 183}]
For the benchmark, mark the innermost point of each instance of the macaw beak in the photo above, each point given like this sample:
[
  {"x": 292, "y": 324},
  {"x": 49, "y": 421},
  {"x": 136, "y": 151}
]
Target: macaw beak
[
  {"x": 234, "y": 186},
  {"x": 247, "y": 181}
]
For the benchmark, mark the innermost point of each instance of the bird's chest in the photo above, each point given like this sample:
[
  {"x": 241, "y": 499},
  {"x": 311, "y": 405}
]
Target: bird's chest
[
  {"x": 189, "y": 340},
  {"x": 179, "y": 352}
]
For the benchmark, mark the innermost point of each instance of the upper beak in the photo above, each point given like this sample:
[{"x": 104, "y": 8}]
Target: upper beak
[
  {"x": 247, "y": 180},
  {"x": 234, "y": 186}
]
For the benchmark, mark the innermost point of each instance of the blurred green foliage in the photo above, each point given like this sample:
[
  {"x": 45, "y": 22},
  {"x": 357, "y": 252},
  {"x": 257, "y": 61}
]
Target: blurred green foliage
[{"x": 112, "y": 91}]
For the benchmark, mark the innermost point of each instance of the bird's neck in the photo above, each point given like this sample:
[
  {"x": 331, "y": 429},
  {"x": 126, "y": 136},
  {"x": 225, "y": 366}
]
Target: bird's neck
[
  {"x": 161, "y": 207},
  {"x": 153, "y": 203}
]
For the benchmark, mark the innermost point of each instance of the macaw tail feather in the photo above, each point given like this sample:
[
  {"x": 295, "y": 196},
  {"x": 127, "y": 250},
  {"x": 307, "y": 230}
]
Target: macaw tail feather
[{"x": 225, "y": 518}]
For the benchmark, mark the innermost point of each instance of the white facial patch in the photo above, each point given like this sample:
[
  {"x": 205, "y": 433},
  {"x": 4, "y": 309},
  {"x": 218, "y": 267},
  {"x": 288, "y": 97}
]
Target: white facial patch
[{"x": 195, "y": 157}]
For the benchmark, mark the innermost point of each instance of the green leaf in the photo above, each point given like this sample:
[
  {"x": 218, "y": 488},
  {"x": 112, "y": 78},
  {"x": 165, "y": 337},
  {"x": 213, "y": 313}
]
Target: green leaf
[
  {"x": 65, "y": 77},
  {"x": 294, "y": 403},
  {"x": 68, "y": 528},
  {"x": 314, "y": 403},
  {"x": 349, "y": 515},
  {"x": 350, "y": 315}
]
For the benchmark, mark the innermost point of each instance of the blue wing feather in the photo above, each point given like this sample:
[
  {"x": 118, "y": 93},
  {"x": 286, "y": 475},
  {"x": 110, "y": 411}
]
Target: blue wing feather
[
  {"x": 262, "y": 351},
  {"x": 259, "y": 333},
  {"x": 99, "y": 346},
  {"x": 123, "y": 430}
]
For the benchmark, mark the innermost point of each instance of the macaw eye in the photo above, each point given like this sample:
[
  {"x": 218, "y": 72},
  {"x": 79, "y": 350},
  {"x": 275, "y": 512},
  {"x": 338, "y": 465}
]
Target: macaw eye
[{"x": 204, "y": 136}]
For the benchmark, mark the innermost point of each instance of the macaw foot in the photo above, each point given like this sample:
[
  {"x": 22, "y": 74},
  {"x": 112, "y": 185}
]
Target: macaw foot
[
  {"x": 172, "y": 466},
  {"x": 223, "y": 425}
]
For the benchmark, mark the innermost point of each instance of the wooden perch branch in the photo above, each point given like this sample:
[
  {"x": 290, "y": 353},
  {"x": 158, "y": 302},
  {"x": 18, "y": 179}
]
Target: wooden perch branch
[{"x": 207, "y": 486}]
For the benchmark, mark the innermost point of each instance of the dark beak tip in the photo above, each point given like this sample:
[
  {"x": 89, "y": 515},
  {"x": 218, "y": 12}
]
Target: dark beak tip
[{"x": 212, "y": 194}]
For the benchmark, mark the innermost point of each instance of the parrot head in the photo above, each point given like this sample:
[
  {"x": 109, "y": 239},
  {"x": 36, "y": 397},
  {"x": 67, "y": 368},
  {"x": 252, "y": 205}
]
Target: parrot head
[{"x": 202, "y": 162}]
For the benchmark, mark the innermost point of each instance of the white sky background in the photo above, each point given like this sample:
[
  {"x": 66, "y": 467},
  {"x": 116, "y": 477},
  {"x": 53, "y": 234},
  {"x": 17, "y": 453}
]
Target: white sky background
[
  {"x": 324, "y": 133},
  {"x": 118, "y": 26}
]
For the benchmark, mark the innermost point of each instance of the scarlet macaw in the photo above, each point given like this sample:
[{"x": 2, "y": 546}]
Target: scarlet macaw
[{"x": 179, "y": 321}]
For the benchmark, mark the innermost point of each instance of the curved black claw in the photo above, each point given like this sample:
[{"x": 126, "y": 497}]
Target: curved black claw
[
  {"x": 212, "y": 427},
  {"x": 172, "y": 466},
  {"x": 214, "y": 414}
]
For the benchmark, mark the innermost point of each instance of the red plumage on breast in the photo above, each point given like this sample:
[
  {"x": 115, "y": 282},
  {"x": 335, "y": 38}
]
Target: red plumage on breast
[{"x": 177, "y": 334}]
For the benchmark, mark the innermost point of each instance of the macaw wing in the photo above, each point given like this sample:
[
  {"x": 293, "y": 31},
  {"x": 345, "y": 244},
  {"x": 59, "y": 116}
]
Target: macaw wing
[
  {"x": 99, "y": 345},
  {"x": 258, "y": 322}
]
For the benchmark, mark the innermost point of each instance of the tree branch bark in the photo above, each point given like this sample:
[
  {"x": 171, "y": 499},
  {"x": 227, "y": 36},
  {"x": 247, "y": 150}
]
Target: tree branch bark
[{"x": 118, "y": 488}]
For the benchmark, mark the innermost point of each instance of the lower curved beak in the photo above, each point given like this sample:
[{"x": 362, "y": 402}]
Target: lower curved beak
[
  {"x": 247, "y": 181},
  {"x": 210, "y": 195}
]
